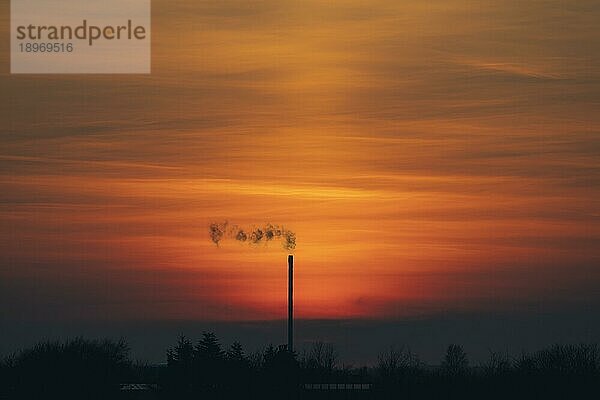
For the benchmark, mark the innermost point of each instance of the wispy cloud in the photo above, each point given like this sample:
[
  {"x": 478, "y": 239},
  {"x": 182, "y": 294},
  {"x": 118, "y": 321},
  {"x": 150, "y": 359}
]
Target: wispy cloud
[{"x": 393, "y": 137}]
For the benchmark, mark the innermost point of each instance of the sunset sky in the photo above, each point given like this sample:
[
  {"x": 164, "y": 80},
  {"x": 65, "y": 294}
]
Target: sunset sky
[{"x": 438, "y": 156}]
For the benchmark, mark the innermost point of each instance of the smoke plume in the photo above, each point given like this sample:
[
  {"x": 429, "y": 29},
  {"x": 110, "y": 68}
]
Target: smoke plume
[{"x": 255, "y": 235}]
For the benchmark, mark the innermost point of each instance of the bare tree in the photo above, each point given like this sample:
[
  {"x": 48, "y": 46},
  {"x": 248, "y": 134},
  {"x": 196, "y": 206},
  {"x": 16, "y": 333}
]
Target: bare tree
[
  {"x": 396, "y": 361},
  {"x": 320, "y": 361}
]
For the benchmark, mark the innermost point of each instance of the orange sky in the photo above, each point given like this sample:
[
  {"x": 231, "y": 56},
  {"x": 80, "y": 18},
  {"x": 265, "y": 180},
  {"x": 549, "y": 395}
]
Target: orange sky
[{"x": 430, "y": 156}]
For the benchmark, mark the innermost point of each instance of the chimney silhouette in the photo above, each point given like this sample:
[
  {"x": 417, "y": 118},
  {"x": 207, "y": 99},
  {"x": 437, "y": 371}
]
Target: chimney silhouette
[{"x": 290, "y": 303}]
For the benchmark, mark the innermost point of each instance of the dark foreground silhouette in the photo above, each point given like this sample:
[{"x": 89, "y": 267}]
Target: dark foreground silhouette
[{"x": 93, "y": 369}]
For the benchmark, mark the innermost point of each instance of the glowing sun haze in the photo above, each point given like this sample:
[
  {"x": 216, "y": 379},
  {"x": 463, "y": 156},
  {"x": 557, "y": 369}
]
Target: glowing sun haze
[{"x": 429, "y": 156}]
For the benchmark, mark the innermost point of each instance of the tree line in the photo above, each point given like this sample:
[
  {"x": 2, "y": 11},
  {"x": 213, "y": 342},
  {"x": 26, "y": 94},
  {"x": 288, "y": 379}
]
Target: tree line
[{"x": 204, "y": 368}]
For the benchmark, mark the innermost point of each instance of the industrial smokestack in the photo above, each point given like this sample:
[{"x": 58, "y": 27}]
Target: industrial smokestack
[{"x": 290, "y": 303}]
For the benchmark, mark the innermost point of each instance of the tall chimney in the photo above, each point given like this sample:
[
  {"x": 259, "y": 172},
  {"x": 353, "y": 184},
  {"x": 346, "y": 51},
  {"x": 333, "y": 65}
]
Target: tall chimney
[{"x": 290, "y": 303}]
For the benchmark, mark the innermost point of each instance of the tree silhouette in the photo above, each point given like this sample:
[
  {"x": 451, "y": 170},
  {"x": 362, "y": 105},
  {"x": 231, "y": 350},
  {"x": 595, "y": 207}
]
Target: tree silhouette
[
  {"x": 180, "y": 361},
  {"x": 238, "y": 370},
  {"x": 76, "y": 368},
  {"x": 93, "y": 369},
  {"x": 323, "y": 356},
  {"x": 396, "y": 369},
  {"x": 455, "y": 360},
  {"x": 209, "y": 362},
  {"x": 319, "y": 362},
  {"x": 209, "y": 348},
  {"x": 236, "y": 353},
  {"x": 497, "y": 364},
  {"x": 397, "y": 360},
  {"x": 280, "y": 369},
  {"x": 182, "y": 354}
]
